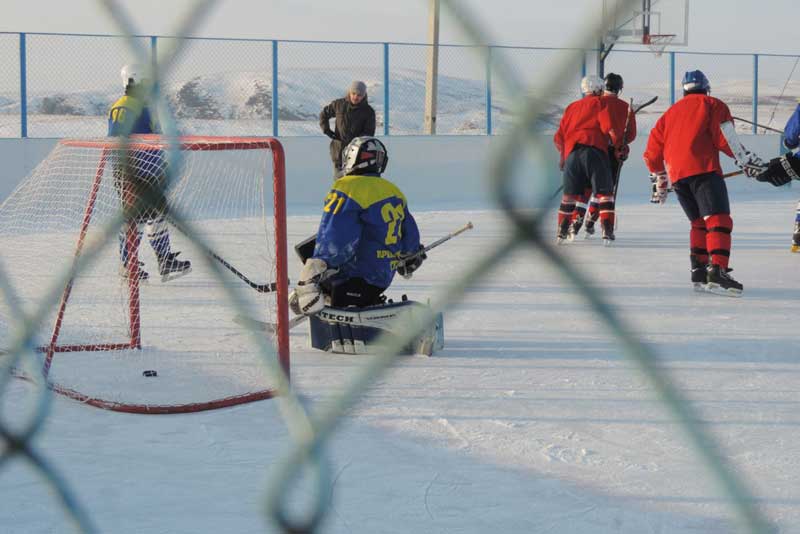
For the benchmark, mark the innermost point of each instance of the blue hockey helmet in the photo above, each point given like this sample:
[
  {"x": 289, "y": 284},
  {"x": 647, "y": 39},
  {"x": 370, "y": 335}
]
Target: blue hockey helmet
[{"x": 694, "y": 81}]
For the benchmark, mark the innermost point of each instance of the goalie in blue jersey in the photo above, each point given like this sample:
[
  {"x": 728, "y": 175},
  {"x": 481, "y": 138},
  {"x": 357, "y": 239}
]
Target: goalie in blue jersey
[
  {"x": 139, "y": 178},
  {"x": 366, "y": 235}
]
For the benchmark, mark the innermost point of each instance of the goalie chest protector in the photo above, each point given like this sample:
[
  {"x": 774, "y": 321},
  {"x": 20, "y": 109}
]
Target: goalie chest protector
[{"x": 358, "y": 330}]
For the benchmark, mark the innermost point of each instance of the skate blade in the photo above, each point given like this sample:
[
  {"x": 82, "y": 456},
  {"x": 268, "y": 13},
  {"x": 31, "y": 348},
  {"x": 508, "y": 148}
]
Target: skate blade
[
  {"x": 700, "y": 287},
  {"x": 174, "y": 275},
  {"x": 607, "y": 242},
  {"x": 561, "y": 241},
  {"x": 718, "y": 290}
]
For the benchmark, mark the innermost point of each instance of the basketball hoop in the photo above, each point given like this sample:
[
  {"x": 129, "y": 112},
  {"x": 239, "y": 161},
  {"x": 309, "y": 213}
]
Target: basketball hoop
[{"x": 657, "y": 42}]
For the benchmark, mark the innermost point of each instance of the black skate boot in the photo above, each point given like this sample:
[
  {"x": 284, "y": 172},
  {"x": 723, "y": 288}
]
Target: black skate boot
[
  {"x": 143, "y": 275},
  {"x": 170, "y": 267},
  {"x": 608, "y": 232},
  {"x": 796, "y": 238},
  {"x": 699, "y": 274},
  {"x": 721, "y": 283},
  {"x": 574, "y": 228},
  {"x": 588, "y": 229},
  {"x": 563, "y": 232}
]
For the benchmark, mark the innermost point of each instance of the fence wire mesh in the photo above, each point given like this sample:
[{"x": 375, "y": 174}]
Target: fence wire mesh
[
  {"x": 520, "y": 90},
  {"x": 226, "y": 87}
]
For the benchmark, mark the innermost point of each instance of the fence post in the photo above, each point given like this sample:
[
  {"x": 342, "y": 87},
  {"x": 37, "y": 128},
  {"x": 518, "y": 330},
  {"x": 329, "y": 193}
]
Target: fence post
[
  {"x": 23, "y": 88},
  {"x": 153, "y": 52},
  {"x": 755, "y": 93},
  {"x": 274, "y": 88},
  {"x": 488, "y": 90},
  {"x": 385, "y": 88},
  {"x": 671, "y": 78}
]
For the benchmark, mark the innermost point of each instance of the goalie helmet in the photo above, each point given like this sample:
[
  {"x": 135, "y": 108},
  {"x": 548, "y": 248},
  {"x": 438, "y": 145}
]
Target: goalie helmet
[
  {"x": 132, "y": 74},
  {"x": 613, "y": 83},
  {"x": 694, "y": 81},
  {"x": 592, "y": 85},
  {"x": 364, "y": 155}
]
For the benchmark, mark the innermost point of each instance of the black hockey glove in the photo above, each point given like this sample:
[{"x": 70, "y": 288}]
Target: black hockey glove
[
  {"x": 778, "y": 173},
  {"x": 410, "y": 263},
  {"x": 622, "y": 152}
]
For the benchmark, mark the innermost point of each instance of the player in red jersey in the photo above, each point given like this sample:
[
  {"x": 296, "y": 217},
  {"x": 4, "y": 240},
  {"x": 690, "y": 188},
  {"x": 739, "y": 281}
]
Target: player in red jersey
[
  {"x": 582, "y": 139},
  {"x": 622, "y": 121},
  {"x": 683, "y": 149}
]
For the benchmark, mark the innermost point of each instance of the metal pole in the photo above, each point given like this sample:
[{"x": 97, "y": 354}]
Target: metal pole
[
  {"x": 23, "y": 88},
  {"x": 432, "y": 75},
  {"x": 274, "y": 88},
  {"x": 385, "y": 88},
  {"x": 671, "y": 78},
  {"x": 488, "y": 90},
  {"x": 755, "y": 93}
]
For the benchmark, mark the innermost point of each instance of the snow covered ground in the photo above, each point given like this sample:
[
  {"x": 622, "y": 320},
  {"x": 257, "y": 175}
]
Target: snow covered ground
[{"x": 530, "y": 420}]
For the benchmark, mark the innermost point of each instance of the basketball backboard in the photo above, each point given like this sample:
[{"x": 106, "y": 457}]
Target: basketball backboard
[{"x": 650, "y": 22}]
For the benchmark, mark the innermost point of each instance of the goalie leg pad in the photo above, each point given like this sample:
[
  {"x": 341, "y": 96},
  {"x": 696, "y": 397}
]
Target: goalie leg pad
[{"x": 357, "y": 330}]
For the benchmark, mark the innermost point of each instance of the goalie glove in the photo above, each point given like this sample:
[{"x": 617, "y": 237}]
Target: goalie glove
[
  {"x": 410, "y": 263},
  {"x": 660, "y": 187},
  {"x": 308, "y": 293},
  {"x": 751, "y": 164}
]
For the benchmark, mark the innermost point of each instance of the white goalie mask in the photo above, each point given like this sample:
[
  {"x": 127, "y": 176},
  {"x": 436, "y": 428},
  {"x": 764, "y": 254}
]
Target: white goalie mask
[
  {"x": 132, "y": 74},
  {"x": 364, "y": 155}
]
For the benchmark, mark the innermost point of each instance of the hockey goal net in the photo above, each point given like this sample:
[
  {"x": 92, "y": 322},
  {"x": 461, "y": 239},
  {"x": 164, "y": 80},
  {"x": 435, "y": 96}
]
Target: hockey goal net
[{"x": 112, "y": 333}]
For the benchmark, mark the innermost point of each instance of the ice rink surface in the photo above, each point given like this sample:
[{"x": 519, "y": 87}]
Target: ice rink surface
[{"x": 530, "y": 420}]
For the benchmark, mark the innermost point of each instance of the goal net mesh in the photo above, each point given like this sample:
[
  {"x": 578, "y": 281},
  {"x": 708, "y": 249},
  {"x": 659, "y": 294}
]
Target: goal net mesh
[{"x": 108, "y": 325}]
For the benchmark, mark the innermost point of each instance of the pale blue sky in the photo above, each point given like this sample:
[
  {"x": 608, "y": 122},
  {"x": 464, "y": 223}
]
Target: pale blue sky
[{"x": 715, "y": 25}]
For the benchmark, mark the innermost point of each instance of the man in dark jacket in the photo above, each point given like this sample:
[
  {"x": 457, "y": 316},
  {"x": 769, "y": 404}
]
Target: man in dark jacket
[{"x": 354, "y": 118}]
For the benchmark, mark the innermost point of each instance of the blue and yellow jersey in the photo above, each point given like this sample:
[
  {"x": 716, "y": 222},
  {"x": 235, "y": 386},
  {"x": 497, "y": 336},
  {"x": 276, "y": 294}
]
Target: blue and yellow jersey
[
  {"x": 365, "y": 227},
  {"x": 129, "y": 115}
]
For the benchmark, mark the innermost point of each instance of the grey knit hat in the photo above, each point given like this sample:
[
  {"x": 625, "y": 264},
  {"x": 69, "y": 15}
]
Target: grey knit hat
[{"x": 358, "y": 87}]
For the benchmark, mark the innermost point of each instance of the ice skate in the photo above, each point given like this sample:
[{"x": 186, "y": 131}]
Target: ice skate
[
  {"x": 170, "y": 267},
  {"x": 608, "y": 232},
  {"x": 144, "y": 276},
  {"x": 588, "y": 229},
  {"x": 721, "y": 283},
  {"x": 699, "y": 275}
]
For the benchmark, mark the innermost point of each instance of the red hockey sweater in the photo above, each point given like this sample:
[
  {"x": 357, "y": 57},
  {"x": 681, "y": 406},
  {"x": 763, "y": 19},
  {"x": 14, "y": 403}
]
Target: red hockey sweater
[{"x": 687, "y": 139}]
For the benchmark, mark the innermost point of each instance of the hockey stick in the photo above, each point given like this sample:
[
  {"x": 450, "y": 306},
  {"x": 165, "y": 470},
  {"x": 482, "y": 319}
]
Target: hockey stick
[
  {"x": 264, "y": 326},
  {"x": 759, "y": 125}
]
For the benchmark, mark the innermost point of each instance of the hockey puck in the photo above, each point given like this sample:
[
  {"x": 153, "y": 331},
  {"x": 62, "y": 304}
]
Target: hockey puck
[{"x": 149, "y": 372}]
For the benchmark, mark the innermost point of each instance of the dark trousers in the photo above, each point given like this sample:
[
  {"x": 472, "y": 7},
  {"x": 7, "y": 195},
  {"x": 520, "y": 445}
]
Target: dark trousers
[
  {"x": 354, "y": 292},
  {"x": 587, "y": 167},
  {"x": 703, "y": 195}
]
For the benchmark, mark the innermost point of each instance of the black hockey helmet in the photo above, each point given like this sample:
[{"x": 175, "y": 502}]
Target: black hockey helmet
[{"x": 613, "y": 82}]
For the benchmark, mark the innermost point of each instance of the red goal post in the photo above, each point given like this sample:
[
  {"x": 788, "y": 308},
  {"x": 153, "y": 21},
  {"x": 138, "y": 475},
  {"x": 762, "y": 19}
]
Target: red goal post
[{"x": 102, "y": 152}]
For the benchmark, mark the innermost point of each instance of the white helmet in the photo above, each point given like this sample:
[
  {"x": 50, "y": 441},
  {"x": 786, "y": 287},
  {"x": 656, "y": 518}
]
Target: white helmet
[
  {"x": 592, "y": 84},
  {"x": 363, "y": 155},
  {"x": 132, "y": 73}
]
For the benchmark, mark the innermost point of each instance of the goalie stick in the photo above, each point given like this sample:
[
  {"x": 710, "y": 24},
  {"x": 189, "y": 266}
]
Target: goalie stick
[{"x": 266, "y": 326}]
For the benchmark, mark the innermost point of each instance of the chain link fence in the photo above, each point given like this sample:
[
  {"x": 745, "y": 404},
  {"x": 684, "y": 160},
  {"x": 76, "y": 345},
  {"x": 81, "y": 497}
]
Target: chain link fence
[
  {"x": 228, "y": 87},
  {"x": 80, "y": 77}
]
